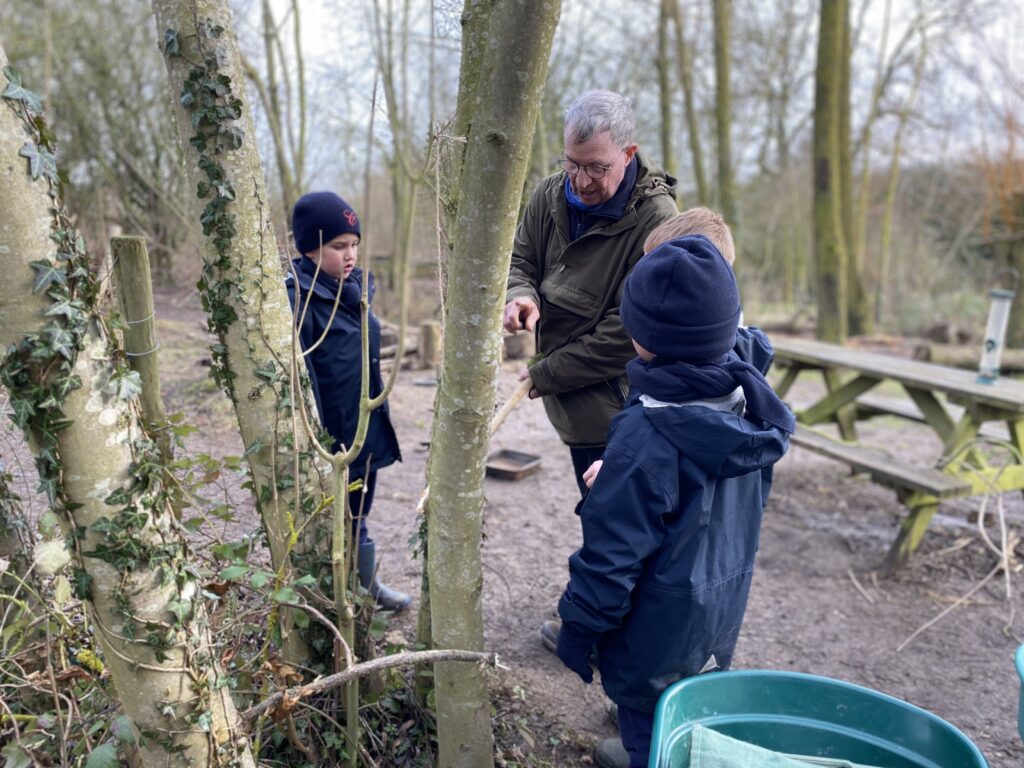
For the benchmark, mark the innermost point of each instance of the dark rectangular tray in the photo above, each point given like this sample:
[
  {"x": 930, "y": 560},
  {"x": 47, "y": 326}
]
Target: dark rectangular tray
[{"x": 511, "y": 465}]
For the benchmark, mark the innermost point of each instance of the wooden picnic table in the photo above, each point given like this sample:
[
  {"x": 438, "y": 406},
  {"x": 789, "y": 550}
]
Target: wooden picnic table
[{"x": 951, "y": 401}]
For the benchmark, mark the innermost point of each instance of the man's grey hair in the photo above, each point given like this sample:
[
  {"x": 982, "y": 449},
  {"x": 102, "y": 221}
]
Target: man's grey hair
[{"x": 595, "y": 112}]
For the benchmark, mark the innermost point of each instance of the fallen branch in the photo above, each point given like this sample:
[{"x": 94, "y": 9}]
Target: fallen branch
[{"x": 291, "y": 696}]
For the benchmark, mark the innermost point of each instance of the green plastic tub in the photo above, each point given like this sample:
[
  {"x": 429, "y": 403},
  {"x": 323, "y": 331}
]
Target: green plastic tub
[
  {"x": 807, "y": 715},
  {"x": 1020, "y": 708}
]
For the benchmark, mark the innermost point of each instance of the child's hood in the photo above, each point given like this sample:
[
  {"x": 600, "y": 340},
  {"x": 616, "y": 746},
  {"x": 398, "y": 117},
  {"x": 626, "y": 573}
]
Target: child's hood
[{"x": 722, "y": 444}]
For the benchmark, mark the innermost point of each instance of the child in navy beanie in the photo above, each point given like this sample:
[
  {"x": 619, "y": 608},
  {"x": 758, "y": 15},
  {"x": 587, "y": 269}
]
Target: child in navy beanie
[
  {"x": 325, "y": 293},
  {"x": 671, "y": 523},
  {"x": 319, "y": 217}
]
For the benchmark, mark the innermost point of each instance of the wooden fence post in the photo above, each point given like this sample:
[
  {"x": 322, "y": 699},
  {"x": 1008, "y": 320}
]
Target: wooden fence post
[
  {"x": 430, "y": 344},
  {"x": 134, "y": 288}
]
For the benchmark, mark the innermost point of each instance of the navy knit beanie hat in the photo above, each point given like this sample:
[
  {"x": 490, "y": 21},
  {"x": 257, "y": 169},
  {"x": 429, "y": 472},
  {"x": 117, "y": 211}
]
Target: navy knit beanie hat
[
  {"x": 321, "y": 212},
  {"x": 681, "y": 301}
]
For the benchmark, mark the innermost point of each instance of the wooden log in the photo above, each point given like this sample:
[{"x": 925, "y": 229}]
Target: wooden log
[
  {"x": 966, "y": 356},
  {"x": 430, "y": 344}
]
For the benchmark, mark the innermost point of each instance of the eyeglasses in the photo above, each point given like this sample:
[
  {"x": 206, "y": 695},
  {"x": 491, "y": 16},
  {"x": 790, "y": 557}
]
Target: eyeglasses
[{"x": 593, "y": 170}]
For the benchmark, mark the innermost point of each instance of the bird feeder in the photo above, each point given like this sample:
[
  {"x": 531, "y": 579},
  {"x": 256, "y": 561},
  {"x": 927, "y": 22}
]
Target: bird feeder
[{"x": 995, "y": 331}]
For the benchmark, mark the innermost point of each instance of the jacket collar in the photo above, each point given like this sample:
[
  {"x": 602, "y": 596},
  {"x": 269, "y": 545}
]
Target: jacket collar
[
  {"x": 326, "y": 287},
  {"x": 651, "y": 180}
]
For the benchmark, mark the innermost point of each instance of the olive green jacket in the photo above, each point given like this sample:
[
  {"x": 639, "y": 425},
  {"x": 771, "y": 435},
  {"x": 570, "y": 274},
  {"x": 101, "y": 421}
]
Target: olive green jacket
[{"x": 577, "y": 287}]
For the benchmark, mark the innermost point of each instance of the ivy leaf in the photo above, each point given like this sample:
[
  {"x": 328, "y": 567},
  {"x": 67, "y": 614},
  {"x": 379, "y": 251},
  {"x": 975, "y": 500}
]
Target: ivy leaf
[
  {"x": 204, "y": 721},
  {"x": 118, "y": 498},
  {"x": 285, "y": 595},
  {"x": 104, "y": 756},
  {"x": 41, "y": 162},
  {"x": 260, "y": 578},
  {"x": 70, "y": 309},
  {"x": 125, "y": 384},
  {"x": 23, "y": 412},
  {"x": 306, "y": 581},
  {"x": 193, "y": 524},
  {"x": 48, "y": 485},
  {"x": 61, "y": 341},
  {"x": 15, "y": 756},
  {"x": 234, "y": 136},
  {"x": 172, "y": 44},
  {"x": 83, "y": 585},
  {"x": 16, "y": 92},
  {"x": 233, "y": 572},
  {"x": 123, "y": 730},
  {"x": 181, "y": 609},
  {"x": 48, "y": 274}
]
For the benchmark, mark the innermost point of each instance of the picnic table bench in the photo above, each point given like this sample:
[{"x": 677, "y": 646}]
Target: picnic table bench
[{"x": 951, "y": 401}]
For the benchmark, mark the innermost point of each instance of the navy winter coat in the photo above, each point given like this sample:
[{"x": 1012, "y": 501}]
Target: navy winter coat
[
  {"x": 670, "y": 530},
  {"x": 335, "y": 366}
]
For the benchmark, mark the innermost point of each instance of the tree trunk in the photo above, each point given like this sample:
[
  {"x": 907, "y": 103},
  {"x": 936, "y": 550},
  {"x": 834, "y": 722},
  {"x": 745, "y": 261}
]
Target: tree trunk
[
  {"x": 1015, "y": 331},
  {"x": 500, "y": 110},
  {"x": 662, "y": 63},
  {"x": 886, "y": 273},
  {"x": 242, "y": 286},
  {"x": 684, "y": 62},
  {"x": 77, "y": 406},
  {"x": 858, "y": 300},
  {"x": 829, "y": 247},
  {"x": 723, "y": 115},
  {"x": 857, "y": 236},
  {"x": 476, "y": 30}
]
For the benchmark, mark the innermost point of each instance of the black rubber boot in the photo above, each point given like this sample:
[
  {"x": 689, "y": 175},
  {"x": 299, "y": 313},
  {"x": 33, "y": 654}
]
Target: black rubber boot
[
  {"x": 387, "y": 598},
  {"x": 611, "y": 754},
  {"x": 549, "y": 634}
]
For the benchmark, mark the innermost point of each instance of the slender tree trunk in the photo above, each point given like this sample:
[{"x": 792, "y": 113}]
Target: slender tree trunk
[
  {"x": 243, "y": 290},
  {"x": 1015, "y": 224},
  {"x": 829, "y": 250},
  {"x": 662, "y": 63},
  {"x": 886, "y": 274},
  {"x": 859, "y": 309},
  {"x": 858, "y": 234},
  {"x": 723, "y": 114},
  {"x": 275, "y": 115},
  {"x": 476, "y": 29},
  {"x": 133, "y": 575},
  {"x": 684, "y": 63},
  {"x": 500, "y": 111}
]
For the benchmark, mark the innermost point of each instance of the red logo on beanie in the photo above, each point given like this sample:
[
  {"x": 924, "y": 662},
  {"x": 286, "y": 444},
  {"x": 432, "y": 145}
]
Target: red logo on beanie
[{"x": 350, "y": 217}]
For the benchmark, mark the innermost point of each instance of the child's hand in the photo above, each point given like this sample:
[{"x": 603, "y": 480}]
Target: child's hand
[
  {"x": 574, "y": 649},
  {"x": 591, "y": 474}
]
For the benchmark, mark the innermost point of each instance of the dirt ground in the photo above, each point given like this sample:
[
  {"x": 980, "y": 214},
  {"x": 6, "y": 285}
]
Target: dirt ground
[{"x": 816, "y": 605}]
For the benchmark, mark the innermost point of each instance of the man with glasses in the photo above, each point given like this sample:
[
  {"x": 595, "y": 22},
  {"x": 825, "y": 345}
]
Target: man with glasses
[{"x": 581, "y": 234}]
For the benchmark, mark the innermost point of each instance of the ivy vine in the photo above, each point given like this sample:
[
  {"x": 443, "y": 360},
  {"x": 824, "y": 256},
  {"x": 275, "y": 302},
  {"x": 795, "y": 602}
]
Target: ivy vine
[{"x": 209, "y": 97}]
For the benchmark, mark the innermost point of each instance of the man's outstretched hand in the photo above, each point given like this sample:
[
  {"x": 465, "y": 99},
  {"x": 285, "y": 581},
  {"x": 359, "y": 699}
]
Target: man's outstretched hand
[{"x": 520, "y": 314}]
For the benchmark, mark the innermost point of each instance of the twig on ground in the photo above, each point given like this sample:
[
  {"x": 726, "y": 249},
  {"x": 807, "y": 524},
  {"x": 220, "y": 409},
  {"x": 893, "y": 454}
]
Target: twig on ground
[
  {"x": 409, "y": 658},
  {"x": 857, "y": 584}
]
